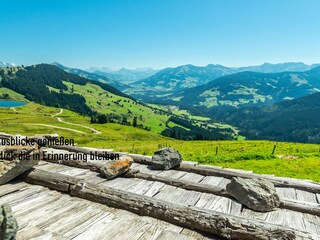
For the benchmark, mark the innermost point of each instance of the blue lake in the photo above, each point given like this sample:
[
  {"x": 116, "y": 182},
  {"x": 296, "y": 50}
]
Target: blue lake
[{"x": 9, "y": 104}]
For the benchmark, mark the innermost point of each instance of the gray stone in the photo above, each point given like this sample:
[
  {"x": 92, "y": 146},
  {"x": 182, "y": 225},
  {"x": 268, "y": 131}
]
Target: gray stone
[
  {"x": 114, "y": 168},
  {"x": 9, "y": 225},
  {"x": 166, "y": 158},
  {"x": 15, "y": 160},
  {"x": 256, "y": 194}
]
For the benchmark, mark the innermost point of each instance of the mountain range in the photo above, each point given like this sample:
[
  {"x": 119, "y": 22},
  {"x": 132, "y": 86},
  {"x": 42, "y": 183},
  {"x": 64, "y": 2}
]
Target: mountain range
[
  {"x": 249, "y": 88},
  {"x": 5, "y": 64},
  {"x": 167, "y": 83},
  {"x": 291, "y": 120},
  {"x": 50, "y": 85},
  {"x": 110, "y": 79},
  {"x": 124, "y": 75}
]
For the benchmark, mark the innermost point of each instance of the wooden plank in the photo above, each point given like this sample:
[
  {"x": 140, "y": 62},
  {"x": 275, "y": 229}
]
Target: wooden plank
[
  {"x": 224, "y": 205},
  {"x": 36, "y": 234},
  {"x": 185, "y": 184},
  {"x": 187, "y": 198},
  {"x": 165, "y": 235},
  {"x": 294, "y": 220},
  {"x": 132, "y": 230},
  {"x": 204, "y": 199},
  {"x": 197, "y": 235},
  {"x": 278, "y": 182},
  {"x": 288, "y": 193},
  {"x": 141, "y": 187},
  {"x": 173, "y": 174},
  {"x": 146, "y": 169},
  {"x": 224, "y": 182},
  {"x": 120, "y": 183},
  {"x": 312, "y": 224},
  {"x": 248, "y": 213},
  {"x": 67, "y": 218},
  {"x": 192, "y": 177},
  {"x": 200, "y": 219},
  {"x": 12, "y": 187},
  {"x": 154, "y": 189},
  {"x": 211, "y": 180},
  {"x": 152, "y": 233},
  {"x": 306, "y": 196}
]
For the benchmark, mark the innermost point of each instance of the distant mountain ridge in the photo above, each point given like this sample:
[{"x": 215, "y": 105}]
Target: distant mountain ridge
[
  {"x": 108, "y": 79},
  {"x": 170, "y": 81},
  {"x": 279, "y": 67},
  {"x": 124, "y": 75},
  {"x": 5, "y": 64},
  {"x": 292, "y": 120},
  {"x": 249, "y": 88}
]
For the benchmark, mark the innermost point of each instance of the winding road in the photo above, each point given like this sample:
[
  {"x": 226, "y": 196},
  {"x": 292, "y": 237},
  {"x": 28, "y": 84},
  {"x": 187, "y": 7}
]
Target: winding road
[{"x": 74, "y": 124}]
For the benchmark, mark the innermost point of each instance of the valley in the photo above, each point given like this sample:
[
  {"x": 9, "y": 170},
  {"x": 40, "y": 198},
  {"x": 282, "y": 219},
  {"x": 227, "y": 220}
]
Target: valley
[
  {"x": 157, "y": 125},
  {"x": 243, "y": 154}
]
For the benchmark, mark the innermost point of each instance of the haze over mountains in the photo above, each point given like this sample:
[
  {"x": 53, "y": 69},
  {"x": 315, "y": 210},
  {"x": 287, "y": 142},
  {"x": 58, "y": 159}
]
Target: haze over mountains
[
  {"x": 5, "y": 64},
  {"x": 123, "y": 74},
  {"x": 110, "y": 79}
]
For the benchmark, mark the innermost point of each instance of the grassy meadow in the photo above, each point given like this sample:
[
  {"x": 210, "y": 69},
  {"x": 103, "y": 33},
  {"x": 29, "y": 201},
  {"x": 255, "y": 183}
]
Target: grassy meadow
[{"x": 290, "y": 159}]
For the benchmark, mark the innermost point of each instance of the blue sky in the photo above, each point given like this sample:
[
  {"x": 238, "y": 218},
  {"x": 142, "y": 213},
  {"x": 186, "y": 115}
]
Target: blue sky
[{"x": 149, "y": 33}]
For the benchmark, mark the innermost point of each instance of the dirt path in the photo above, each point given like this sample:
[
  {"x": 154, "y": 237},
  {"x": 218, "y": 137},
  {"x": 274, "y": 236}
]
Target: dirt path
[
  {"x": 55, "y": 115},
  {"x": 74, "y": 124},
  {"x": 13, "y": 109},
  {"x": 52, "y": 126}
]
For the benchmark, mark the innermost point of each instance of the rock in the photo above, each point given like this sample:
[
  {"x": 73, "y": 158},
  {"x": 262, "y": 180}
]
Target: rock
[
  {"x": 114, "y": 168},
  {"x": 15, "y": 160},
  {"x": 256, "y": 194},
  {"x": 166, "y": 158},
  {"x": 9, "y": 225}
]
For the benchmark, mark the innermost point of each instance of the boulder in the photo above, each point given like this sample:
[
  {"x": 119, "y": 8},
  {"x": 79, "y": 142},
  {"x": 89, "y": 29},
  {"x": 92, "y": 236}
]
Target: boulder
[
  {"x": 15, "y": 160},
  {"x": 257, "y": 194},
  {"x": 114, "y": 168},
  {"x": 9, "y": 225},
  {"x": 166, "y": 158}
]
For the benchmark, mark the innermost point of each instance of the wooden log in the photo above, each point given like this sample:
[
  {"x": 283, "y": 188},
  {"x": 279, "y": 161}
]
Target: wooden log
[
  {"x": 91, "y": 165},
  {"x": 313, "y": 209},
  {"x": 288, "y": 183},
  {"x": 56, "y": 181},
  {"x": 81, "y": 149},
  {"x": 209, "y": 221},
  {"x": 202, "y": 170},
  {"x": 205, "y": 188}
]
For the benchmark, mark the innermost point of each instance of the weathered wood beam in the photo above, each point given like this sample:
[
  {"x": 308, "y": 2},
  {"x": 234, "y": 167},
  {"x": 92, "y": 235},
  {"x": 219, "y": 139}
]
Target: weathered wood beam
[
  {"x": 91, "y": 165},
  {"x": 207, "y": 171},
  {"x": 225, "y": 225},
  {"x": 205, "y": 188},
  {"x": 81, "y": 149},
  {"x": 288, "y": 183},
  {"x": 198, "y": 187}
]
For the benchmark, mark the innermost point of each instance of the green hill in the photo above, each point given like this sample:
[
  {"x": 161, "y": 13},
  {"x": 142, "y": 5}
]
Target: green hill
[
  {"x": 51, "y": 86},
  {"x": 291, "y": 159},
  {"x": 249, "y": 88},
  {"x": 292, "y": 120},
  {"x": 172, "y": 80}
]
